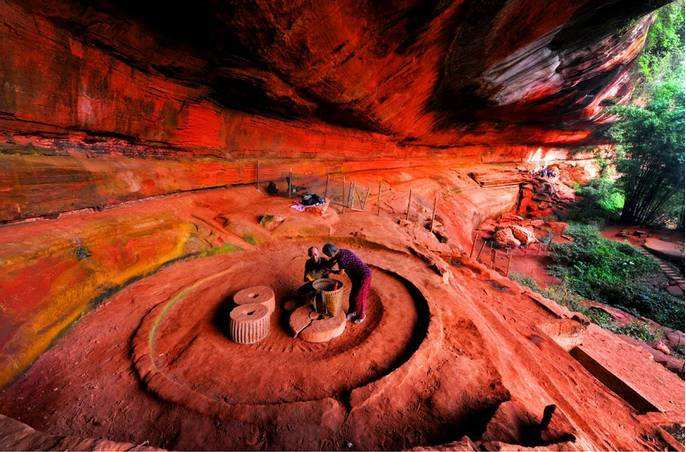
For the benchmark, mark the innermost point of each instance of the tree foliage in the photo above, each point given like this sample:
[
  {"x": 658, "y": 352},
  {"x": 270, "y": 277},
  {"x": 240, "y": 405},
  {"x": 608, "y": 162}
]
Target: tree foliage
[
  {"x": 650, "y": 134},
  {"x": 601, "y": 200},
  {"x": 650, "y": 145},
  {"x": 662, "y": 58}
]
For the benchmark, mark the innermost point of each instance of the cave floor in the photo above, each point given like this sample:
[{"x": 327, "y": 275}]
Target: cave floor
[{"x": 439, "y": 357}]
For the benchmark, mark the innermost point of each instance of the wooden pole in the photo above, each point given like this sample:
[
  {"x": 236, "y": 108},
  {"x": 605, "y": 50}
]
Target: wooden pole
[
  {"x": 509, "y": 260},
  {"x": 478, "y": 255},
  {"x": 290, "y": 182},
  {"x": 351, "y": 190},
  {"x": 326, "y": 189},
  {"x": 378, "y": 200},
  {"x": 257, "y": 178},
  {"x": 433, "y": 214},
  {"x": 343, "y": 198},
  {"x": 409, "y": 202},
  {"x": 471, "y": 252},
  {"x": 364, "y": 203}
]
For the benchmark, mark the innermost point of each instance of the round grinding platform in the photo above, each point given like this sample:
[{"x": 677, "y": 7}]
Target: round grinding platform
[
  {"x": 190, "y": 348},
  {"x": 258, "y": 294}
]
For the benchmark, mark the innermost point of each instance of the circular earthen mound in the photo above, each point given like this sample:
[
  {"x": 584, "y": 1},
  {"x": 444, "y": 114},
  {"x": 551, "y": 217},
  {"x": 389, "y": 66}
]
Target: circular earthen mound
[
  {"x": 183, "y": 352},
  {"x": 259, "y": 294},
  {"x": 249, "y": 323}
]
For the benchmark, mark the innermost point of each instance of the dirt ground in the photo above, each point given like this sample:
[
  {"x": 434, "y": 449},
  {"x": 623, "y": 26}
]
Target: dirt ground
[{"x": 451, "y": 351}]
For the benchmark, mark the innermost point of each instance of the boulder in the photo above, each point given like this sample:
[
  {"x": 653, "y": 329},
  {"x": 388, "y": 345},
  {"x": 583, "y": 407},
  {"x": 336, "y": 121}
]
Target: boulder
[
  {"x": 505, "y": 239},
  {"x": 524, "y": 235}
]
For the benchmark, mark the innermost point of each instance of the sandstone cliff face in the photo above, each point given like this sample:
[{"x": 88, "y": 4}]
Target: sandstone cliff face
[{"x": 93, "y": 95}]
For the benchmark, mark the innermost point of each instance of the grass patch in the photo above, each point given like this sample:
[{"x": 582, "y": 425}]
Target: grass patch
[
  {"x": 249, "y": 239},
  {"x": 566, "y": 296},
  {"x": 616, "y": 274},
  {"x": 222, "y": 249}
]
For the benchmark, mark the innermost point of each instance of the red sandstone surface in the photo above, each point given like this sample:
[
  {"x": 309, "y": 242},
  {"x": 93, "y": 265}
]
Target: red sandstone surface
[
  {"x": 428, "y": 385},
  {"x": 131, "y": 137}
]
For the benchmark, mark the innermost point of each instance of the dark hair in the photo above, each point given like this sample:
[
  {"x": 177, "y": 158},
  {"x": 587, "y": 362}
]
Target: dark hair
[{"x": 330, "y": 249}]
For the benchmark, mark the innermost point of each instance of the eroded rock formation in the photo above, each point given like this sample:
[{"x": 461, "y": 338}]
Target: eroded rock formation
[{"x": 105, "y": 102}]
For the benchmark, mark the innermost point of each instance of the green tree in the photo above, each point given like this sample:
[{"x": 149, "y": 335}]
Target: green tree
[
  {"x": 662, "y": 58},
  {"x": 650, "y": 145}
]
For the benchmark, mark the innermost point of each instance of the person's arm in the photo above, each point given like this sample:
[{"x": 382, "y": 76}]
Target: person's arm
[
  {"x": 334, "y": 261},
  {"x": 306, "y": 276}
]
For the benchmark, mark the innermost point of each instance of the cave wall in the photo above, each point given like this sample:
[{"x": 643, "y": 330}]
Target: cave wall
[{"x": 96, "y": 107}]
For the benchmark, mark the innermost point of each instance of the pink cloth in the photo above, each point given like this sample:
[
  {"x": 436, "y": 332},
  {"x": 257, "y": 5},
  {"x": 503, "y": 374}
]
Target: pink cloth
[{"x": 359, "y": 294}]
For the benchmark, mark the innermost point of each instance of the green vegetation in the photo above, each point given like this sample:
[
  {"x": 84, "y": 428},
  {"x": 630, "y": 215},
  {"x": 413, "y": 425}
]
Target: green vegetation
[
  {"x": 650, "y": 156},
  {"x": 222, "y": 249},
  {"x": 601, "y": 200},
  {"x": 663, "y": 55},
  {"x": 565, "y": 296},
  {"x": 649, "y": 135},
  {"x": 616, "y": 274}
]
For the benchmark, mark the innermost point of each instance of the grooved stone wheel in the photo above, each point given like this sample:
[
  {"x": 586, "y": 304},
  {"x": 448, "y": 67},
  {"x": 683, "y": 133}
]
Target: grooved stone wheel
[
  {"x": 249, "y": 323},
  {"x": 325, "y": 329},
  {"x": 258, "y": 294},
  {"x": 312, "y": 327}
]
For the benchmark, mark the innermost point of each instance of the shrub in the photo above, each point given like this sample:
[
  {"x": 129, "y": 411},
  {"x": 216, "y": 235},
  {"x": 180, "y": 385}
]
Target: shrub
[
  {"x": 565, "y": 296},
  {"x": 615, "y": 274},
  {"x": 638, "y": 330},
  {"x": 601, "y": 200}
]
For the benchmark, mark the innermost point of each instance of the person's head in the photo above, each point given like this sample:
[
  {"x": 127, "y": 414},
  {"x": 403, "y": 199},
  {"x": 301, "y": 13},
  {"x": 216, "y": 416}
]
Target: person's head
[
  {"x": 313, "y": 252},
  {"x": 330, "y": 249}
]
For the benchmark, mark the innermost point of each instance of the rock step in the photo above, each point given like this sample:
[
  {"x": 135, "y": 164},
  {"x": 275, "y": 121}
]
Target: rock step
[{"x": 668, "y": 269}]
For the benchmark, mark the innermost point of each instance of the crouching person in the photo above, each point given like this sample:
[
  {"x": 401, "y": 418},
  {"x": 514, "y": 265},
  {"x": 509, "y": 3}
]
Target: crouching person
[
  {"x": 360, "y": 276},
  {"x": 316, "y": 267}
]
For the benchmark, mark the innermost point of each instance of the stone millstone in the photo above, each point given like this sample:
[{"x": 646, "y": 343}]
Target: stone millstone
[
  {"x": 249, "y": 323},
  {"x": 258, "y": 294},
  {"x": 316, "y": 329}
]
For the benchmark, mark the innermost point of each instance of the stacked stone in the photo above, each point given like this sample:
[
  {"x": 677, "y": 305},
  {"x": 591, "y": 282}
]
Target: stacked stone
[{"x": 249, "y": 320}]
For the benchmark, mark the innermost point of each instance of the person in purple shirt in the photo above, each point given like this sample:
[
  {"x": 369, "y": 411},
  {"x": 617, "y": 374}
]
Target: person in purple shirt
[{"x": 360, "y": 275}]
